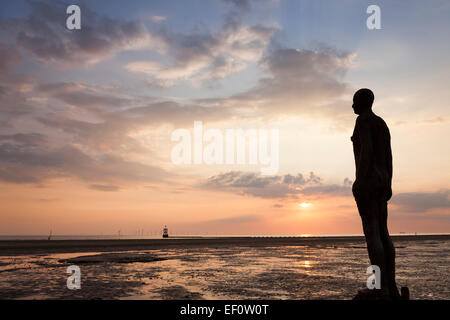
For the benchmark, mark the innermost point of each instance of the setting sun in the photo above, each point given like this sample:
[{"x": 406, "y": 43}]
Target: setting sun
[{"x": 305, "y": 205}]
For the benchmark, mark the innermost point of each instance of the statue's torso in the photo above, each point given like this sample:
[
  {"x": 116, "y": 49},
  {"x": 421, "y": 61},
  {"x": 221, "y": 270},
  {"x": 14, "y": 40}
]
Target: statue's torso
[{"x": 380, "y": 161}]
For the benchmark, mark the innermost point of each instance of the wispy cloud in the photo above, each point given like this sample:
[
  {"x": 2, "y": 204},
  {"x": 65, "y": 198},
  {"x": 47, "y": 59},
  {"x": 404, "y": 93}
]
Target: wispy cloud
[
  {"x": 105, "y": 188},
  {"x": 9, "y": 58},
  {"x": 43, "y": 34},
  {"x": 420, "y": 202},
  {"x": 277, "y": 186},
  {"x": 249, "y": 218},
  {"x": 300, "y": 82},
  {"x": 20, "y": 163},
  {"x": 158, "y": 19},
  {"x": 202, "y": 56},
  {"x": 76, "y": 94}
]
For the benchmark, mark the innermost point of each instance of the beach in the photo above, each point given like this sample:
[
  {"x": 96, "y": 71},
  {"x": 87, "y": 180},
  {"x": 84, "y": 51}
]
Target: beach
[{"x": 216, "y": 267}]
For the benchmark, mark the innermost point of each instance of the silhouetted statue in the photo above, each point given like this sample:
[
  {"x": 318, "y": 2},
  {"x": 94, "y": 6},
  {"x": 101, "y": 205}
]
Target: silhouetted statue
[{"x": 372, "y": 189}]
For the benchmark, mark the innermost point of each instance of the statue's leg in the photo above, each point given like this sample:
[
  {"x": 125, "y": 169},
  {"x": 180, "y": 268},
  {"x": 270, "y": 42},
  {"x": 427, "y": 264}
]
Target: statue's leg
[
  {"x": 369, "y": 211},
  {"x": 389, "y": 250}
]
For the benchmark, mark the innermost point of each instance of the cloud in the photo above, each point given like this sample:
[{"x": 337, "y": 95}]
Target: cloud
[
  {"x": 105, "y": 188},
  {"x": 203, "y": 56},
  {"x": 160, "y": 83},
  {"x": 303, "y": 74},
  {"x": 9, "y": 58},
  {"x": 25, "y": 139},
  {"x": 158, "y": 19},
  {"x": 245, "y": 6},
  {"x": 434, "y": 120},
  {"x": 43, "y": 34},
  {"x": 418, "y": 202},
  {"x": 82, "y": 96},
  {"x": 238, "y": 219},
  {"x": 332, "y": 189},
  {"x": 301, "y": 82},
  {"x": 22, "y": 163},
  {"x": 92, "y": 124},
  {"x": 221, "y": 68},
  {"x": 13, "y": 103},
  {"x": 13, "y": 87},
  {"x": 93, "y": 146},
  {"x": 47, "y": 199},
  {"x": 111, "y": 131},
  {"x": 277, "y": 186},
  {"x": 173, "y": 112},
  {"x": 240, "y": 4}
]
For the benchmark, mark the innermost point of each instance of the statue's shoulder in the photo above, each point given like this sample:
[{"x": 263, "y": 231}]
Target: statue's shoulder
[
  {"x": 363, "y": 119},
  {"x": 370, "y": 119},
  {"x": 381, "y": 122},
  {"x": 379, "y": 119},
  {"x": 381, "y": 126}
]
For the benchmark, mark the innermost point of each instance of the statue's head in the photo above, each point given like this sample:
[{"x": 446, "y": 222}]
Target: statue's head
[{"x": 363, "y": 100}]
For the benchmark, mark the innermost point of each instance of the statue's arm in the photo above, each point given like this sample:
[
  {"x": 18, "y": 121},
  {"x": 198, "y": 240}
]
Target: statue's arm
[
  {"x": 389, "y": 156},
  {"x": 366, "y": 154},
  {"x": 389, "y": 166}
]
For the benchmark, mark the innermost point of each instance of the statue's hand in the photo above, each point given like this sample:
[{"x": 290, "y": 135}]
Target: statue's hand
[
  {"x": 355, "y": 187},
  {"x": 358, "y": 188},
  {"x": 389, "y": 193}
]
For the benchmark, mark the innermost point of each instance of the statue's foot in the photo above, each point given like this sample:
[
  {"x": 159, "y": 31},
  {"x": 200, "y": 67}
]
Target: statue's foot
[
  {"x": 395, "y": 295},
  {"x": 404, "y": 293},
  {"x": 374, "y": 294},
  {"x": 378, "y": 294}
]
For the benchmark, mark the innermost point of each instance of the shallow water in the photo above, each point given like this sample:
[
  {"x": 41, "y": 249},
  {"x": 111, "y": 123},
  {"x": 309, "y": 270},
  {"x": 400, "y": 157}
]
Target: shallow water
[{"x": 281, "y": 272}]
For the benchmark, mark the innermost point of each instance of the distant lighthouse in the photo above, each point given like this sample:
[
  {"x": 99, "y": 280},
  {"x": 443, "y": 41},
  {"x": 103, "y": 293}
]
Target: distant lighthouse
[{"x": 165, "y": 232}]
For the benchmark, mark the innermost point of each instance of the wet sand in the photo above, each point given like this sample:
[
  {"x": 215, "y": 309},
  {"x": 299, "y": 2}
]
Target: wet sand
[
  {"x": 218, "y": 268},
  {"x": 18, "y": 247}
]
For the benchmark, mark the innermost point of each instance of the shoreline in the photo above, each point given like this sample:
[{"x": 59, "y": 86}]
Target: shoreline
[{"x": 23, "y": 247}]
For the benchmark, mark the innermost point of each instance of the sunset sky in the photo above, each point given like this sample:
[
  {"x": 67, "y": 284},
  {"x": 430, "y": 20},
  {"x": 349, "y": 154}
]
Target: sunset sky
[{"x": 86, "y": 116}]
